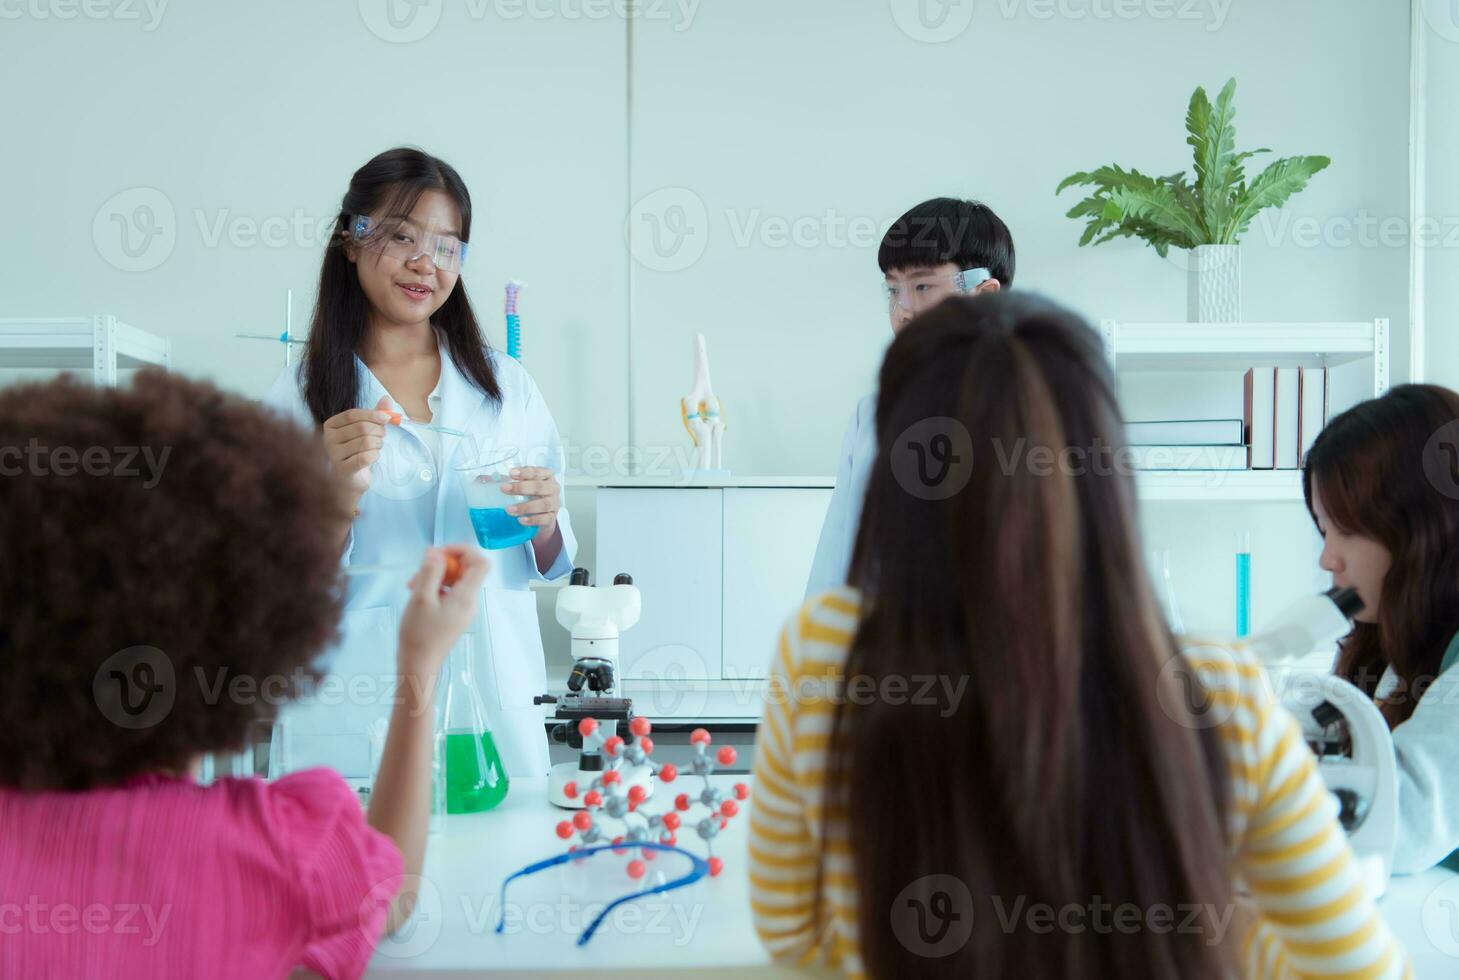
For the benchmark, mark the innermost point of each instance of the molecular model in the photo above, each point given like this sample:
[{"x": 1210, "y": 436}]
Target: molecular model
[{"x": 608, "y": 798}]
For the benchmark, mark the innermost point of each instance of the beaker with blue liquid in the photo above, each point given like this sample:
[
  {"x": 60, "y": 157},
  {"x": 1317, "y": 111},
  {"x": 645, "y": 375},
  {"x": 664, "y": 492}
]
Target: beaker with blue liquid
[{"x": 487, "y": 503}]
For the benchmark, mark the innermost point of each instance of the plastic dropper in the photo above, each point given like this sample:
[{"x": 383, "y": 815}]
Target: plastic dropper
[
  {"x": 396, "y": 418},
  {"x": 452, "y": 576}
]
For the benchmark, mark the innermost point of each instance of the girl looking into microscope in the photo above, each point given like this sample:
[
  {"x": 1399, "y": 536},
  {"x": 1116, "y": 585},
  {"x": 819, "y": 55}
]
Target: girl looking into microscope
[{"x": 1382, "y": 484}]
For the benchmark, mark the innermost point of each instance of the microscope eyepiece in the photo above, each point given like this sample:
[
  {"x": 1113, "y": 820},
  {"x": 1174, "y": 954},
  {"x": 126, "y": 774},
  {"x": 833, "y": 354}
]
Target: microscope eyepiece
[
  {"x": 622, "y": 578},
  {"x": 579, "y": 577}
]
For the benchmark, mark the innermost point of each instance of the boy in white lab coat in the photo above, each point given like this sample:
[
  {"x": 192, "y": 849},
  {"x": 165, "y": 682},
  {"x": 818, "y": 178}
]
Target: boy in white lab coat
[{"x": 940, "y": 247}]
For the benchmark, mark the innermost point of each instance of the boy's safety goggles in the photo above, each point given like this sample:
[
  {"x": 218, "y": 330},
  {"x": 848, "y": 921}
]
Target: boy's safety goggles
[
  {"x": 401, "y": 239},
  {"x": 923, "y": 292}
]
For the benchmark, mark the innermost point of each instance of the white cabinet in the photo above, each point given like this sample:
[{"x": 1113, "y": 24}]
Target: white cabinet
[
  {"x": 671, "y": 542},
  {"x": 720, "y": 568},
  {"x": 770, "y": 536}
]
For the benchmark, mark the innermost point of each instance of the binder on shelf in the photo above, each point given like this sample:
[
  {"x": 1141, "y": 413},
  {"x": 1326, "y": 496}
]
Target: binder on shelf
[
  {"x": 1186, "y": 432},
  {"x": 1259, "y": 416},
  {"x": 1312, "y": 403},
  {"x": 1285, "y": 428}
]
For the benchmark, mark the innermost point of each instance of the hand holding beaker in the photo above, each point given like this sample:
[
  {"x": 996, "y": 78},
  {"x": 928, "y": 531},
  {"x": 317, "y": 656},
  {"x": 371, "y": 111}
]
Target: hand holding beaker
[
  {"x": 494, "y": 509},
  {"x": 538, "y": 484}
]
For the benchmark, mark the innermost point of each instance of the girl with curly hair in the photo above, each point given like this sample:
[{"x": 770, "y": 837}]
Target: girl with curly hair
[{"x": 150, "y": 616}]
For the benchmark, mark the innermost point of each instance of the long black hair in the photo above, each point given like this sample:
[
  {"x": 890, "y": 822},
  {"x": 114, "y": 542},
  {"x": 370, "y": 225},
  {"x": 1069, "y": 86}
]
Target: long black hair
[
  {"x": 1066, "y": 775},
  {"x": 1378, "y": 468},
  {"x": 393, "y": 181}
]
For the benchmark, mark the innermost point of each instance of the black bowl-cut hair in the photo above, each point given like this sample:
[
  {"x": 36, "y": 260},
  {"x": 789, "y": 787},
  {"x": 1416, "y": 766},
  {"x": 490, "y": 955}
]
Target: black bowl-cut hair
[
  {"x": 946, "y": 229},
  {"x": 170, "y": 575}
]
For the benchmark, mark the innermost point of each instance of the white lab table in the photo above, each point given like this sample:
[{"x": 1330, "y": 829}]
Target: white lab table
[
  {"x": 1424, "y": 913},
  {"x": 702, "y": 929}
]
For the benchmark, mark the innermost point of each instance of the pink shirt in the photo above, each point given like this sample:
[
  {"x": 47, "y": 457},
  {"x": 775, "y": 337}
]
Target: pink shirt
[{"x": 162, "y": 877}]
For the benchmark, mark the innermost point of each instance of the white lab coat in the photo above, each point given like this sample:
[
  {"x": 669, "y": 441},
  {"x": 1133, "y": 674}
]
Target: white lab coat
[
  {"x": 838, "y": 532},
  {"x": 1426, "y": 747},
  {"x": 416, "y": 501}
]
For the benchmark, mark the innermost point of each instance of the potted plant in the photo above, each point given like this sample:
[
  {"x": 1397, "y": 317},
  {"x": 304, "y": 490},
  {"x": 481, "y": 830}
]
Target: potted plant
[{"x": 1208, "y": 217}]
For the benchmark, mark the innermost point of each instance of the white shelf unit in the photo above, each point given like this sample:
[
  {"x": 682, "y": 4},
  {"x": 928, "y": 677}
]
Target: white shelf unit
[
  {"x": 100, "y": 344},
  {"x": 1182, "y": 347}
]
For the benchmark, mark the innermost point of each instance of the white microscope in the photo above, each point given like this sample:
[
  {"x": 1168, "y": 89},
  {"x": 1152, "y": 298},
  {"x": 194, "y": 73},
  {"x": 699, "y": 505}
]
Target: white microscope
[
  {"x": 595, "y": 617},
  {"x": 1343, "y": 727}
]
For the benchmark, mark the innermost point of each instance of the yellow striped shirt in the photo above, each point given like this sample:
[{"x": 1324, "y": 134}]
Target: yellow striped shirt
[{"x": 1313, "y": 917}]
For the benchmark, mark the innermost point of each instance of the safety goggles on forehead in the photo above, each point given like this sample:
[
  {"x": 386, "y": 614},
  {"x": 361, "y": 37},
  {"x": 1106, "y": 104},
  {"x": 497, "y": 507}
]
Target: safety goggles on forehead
[
  {"x": 403, "y": 240},
  {"x": 925, "y": 291}
]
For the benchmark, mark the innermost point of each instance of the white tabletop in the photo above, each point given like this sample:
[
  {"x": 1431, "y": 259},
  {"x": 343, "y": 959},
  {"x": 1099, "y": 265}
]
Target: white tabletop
[
  {"x": 1424, "y": 913},
  {"x": 704, "y": 928}
]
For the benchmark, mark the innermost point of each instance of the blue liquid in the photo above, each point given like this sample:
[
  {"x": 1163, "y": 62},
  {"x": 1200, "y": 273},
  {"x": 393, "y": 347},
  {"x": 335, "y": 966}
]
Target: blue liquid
[
  {"x": 496, "y": 529},
  {"x": 1243, "y": 593}
]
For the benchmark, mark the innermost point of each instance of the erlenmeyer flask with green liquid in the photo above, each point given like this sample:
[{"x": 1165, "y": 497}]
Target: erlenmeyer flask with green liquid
[{"x": 475, "y": 778}]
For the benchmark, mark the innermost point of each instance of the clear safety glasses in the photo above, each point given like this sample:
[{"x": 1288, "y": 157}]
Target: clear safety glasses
[
  {"x": 402, "y": 239},
  {"x": 922, "y": 291},
  {"x": 675, "y": 868}
]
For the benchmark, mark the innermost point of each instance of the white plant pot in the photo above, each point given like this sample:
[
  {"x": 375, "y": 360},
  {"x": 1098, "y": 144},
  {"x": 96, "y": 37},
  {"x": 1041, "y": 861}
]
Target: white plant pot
[{"x": 1214, "y": 284}]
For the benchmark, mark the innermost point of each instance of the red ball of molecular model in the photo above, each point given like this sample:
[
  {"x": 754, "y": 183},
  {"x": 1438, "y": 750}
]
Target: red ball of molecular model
[{"x": 609, "y": 799}]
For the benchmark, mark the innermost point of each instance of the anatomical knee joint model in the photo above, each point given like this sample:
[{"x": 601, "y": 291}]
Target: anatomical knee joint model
[{"x": 701, "y": 412}]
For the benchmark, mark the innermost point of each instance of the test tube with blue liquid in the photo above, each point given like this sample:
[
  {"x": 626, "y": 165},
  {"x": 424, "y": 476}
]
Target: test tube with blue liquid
[
  {"x": 1243, "y": 584},
  {"x": 482, "y": 481}
]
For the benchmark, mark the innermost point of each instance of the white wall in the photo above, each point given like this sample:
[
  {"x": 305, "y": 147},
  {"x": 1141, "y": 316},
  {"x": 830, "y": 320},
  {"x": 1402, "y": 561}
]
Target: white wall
[
  {"x": 771, "y": 115},
  {"x": 1441, "y": 189},
  {"x": 771, "y": 112},
  {"x": 816, "y": 120},
  {"x": 768, "y": 118},
  {"x": 248, "y": 117}
]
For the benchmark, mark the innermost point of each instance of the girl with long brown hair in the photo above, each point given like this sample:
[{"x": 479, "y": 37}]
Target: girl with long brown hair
[
  {"x": 987, "y": 756},
  {"x": 1382, "y": 484},
  {"x": 394, "y": 329}
]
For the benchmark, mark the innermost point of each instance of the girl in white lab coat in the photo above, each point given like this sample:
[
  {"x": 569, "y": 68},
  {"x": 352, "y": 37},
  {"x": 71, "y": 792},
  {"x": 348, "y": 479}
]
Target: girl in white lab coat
[
  {"x": 1382, "y": 483},
  {"x": 393, "y": 330}
]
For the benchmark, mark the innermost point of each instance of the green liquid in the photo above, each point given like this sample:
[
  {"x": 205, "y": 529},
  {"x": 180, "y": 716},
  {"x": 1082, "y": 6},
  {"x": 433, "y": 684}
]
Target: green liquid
[{"x": 475, "y": 778}]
